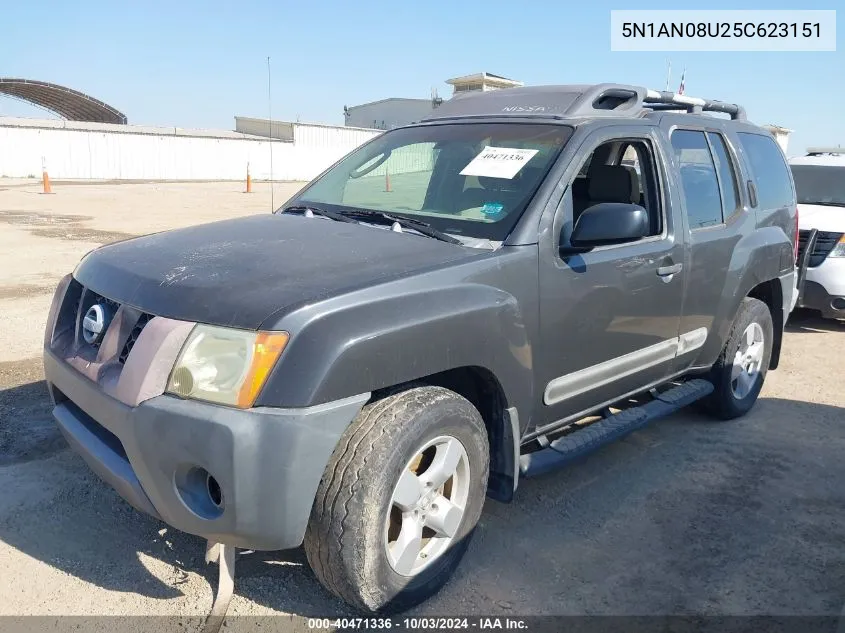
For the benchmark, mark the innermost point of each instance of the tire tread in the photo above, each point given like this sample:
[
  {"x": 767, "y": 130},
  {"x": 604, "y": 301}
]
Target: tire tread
[
  {"x": 333, "y": 545},
  {"x": 721, "y": 403}
]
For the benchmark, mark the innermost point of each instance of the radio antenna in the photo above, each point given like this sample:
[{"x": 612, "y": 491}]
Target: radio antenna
[{"x": 270, "y": 135}]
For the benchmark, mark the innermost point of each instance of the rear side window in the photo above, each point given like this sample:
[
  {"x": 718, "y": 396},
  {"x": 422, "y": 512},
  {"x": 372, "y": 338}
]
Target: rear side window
[
  {"x": 698, "y": 178},
  {"x": 774, "y": 184},
  {"x": 727, "y": 175}
]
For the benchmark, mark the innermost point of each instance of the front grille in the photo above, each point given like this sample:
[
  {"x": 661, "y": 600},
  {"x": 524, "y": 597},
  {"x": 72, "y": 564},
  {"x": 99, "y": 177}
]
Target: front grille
[
  {"x": 90, "y": 298},
  {"x": 825, "y": 242},
  {"x": 67, "y": 332},
  {"x": 133, "y": 336}
]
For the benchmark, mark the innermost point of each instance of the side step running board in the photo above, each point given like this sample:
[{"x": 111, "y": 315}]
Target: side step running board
[{"x": 570, "y": 447}]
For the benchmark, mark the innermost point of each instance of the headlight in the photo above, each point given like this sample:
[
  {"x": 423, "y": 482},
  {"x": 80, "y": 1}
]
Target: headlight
[
  {"x": 839, "y": 249},
  {"x": 224, "y": 365}
]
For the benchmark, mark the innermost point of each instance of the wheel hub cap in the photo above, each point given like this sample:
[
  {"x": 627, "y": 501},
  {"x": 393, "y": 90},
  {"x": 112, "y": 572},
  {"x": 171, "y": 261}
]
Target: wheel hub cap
[
  {"x": 427, "y": 505},
  {"x": 748, "y": 360}
]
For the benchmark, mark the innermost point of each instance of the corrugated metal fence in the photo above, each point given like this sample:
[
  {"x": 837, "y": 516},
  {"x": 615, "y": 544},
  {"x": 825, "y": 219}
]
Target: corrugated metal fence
[{"x": 74, "y": 150}]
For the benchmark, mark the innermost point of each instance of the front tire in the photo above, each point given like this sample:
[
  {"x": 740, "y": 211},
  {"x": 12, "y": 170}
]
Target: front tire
[
  {"x": 738, "y": 374},
  {"x": 399, "y": 499}
]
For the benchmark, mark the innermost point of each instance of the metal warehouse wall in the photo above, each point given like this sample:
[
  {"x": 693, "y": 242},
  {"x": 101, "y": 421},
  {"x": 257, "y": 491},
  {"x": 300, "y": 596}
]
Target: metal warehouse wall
[
  {"x": 388, "y": 113},
  {"x": 100, "y": 151}
]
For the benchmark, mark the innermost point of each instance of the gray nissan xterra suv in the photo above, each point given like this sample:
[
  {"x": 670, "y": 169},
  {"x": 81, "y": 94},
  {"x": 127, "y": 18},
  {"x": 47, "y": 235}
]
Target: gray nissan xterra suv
[{"x": 483, "y": 296}]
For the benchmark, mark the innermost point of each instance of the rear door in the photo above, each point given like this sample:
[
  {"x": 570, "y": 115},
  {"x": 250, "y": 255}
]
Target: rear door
[{"x": 716, "y": 218}]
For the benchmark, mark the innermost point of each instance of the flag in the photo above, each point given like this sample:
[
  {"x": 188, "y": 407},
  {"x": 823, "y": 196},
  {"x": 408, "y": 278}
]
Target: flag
[{"x": 683, "y": 78}]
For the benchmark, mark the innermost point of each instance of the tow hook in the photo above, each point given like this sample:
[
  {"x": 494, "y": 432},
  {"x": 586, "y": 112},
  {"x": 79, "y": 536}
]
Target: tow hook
[{"x": 225, "y": 557}]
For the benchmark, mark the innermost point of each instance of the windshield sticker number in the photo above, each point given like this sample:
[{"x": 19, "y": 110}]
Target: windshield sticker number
[{"x": 499, "y": 162}]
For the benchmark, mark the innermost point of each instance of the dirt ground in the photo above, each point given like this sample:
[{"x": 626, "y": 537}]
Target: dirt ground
[{"x": 685, "y": 517}]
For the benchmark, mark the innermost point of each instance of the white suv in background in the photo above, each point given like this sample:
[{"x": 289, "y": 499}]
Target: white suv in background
[{"x": 820, "y": 185}]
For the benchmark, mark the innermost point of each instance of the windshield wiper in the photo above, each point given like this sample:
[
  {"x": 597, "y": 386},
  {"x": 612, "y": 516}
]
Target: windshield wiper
[
  {"x": 331, "y": 215},
  {"x": 415, "y": 225},
  {"x": 348, "y": 216}
]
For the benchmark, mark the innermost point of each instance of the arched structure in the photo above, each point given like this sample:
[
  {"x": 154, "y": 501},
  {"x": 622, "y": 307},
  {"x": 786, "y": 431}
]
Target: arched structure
[{"x": 67, "y": 103}]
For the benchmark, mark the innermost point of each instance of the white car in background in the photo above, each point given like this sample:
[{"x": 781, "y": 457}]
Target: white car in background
[{"x": 820, "y": 185}]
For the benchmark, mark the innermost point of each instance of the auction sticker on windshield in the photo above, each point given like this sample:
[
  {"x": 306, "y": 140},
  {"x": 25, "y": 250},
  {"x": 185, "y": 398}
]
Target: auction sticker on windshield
[{"x": 499, "y": 162}]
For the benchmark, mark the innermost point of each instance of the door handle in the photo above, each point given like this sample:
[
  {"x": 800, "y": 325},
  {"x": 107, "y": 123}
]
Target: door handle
[{"x": 668, "y": 271}]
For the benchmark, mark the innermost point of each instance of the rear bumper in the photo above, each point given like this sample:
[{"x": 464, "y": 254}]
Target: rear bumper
[{"x": 268, "y": 462}]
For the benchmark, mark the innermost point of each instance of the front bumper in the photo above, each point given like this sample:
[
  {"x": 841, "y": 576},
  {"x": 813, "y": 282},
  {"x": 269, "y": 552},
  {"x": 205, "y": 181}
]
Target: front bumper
[
  {"x": 268, "y": 462},
  {"x": 822, "y": 288},
  {"x": 816, "y": 297}
]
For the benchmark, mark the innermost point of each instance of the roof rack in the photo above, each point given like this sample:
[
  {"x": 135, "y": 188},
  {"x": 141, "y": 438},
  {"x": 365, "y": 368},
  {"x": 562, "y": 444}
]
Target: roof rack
[
  {"x": 569, "y": 101},
  {"x": 660, "y": 100},
  {"x": 815, "y": 151}
]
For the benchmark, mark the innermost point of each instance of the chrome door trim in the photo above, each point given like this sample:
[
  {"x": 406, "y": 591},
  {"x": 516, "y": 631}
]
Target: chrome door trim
[{"x": 595, "y": 376}]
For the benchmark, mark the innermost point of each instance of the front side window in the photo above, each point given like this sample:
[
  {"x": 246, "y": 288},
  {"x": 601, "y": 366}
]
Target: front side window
[
  {"x": 774, "y": 187},
  {"x": 820, "y": 184},
  {"x": 465, "y": 179},
  {"x": 698, "y": 178},
  {"x": 622, "y": 171}
]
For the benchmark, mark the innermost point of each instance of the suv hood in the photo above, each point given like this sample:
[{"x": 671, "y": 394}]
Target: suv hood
[
  {"x": 239, "y": 272},
  {"x": 821, "y": 217}
]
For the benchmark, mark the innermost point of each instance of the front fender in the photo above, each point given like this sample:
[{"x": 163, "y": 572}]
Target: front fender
[{"x": 378, "y": 337}]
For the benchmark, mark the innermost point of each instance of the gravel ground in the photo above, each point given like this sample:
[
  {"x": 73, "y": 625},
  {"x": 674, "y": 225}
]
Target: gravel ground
[{"x": 685, "y": 517}]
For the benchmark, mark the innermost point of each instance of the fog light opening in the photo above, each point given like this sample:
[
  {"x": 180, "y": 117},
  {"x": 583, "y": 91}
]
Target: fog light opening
[
  {"x": 838, "y": 303},
  {"x": 214, "y": 492},
  {"x": 199, "y": 491}
]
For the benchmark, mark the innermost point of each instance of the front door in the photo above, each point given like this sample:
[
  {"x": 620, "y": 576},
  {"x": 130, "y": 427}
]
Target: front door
[{"x": 610, "y": 317}]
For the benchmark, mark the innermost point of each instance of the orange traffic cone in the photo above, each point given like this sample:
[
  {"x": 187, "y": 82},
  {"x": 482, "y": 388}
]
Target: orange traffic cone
[
  {"x": 248, "y": 180},
  {"x": 45, "y": 178},
  {"x": 387, "y": 181}
]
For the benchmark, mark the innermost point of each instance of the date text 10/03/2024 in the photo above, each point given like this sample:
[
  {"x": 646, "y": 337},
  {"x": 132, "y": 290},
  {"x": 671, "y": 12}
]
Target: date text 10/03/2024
[{"x": 419, "y": 624}]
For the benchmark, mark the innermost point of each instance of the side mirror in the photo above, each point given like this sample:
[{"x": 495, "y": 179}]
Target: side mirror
[{"x": 609, "y": 223}]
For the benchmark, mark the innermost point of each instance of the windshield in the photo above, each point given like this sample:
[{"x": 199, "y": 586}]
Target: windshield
[
  {"x": 819, "y": 184},
  {"x": 467, "y": 179}
]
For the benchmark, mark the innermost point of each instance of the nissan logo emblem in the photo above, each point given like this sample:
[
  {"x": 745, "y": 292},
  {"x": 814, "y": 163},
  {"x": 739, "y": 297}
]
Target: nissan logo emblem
[{"x": 95, "y": 323}]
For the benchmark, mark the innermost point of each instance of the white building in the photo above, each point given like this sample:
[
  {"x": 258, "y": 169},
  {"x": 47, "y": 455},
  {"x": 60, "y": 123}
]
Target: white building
[
  {"x": 483, "y": 82},
  {"x": 85, "y": 150},
  {"x": 386, "y": 114},
  {"x": 781, "y": 135}
]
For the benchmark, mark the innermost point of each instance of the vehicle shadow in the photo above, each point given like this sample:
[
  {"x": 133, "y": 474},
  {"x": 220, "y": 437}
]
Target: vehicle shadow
[
  {"x": 804, "y": 321},
  {"x": 683, "y": 517},
  {"x": 55, "y": 510}
]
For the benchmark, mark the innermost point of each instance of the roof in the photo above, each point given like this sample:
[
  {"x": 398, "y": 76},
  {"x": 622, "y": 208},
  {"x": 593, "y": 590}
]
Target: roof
[
  {"x": 830, "y": 156},
  {"x": 839, "y": 151},
  {"x": 574, "y": 101},
  {"x": 57, "y": 124},
  {"x": 484, "y": 77},
  {"x": 292, "y": 124},
  {"x": 369, "y": 103},
  {"x": 67, "y": 103}
]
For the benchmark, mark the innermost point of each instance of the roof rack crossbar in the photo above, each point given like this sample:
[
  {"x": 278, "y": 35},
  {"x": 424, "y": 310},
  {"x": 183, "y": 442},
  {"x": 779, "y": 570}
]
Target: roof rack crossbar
[{"x": 661, "y": 100}]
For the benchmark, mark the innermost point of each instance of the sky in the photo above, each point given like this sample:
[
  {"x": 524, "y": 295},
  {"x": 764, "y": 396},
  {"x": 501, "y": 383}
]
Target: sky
[{"x": 199, "y": 64}]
